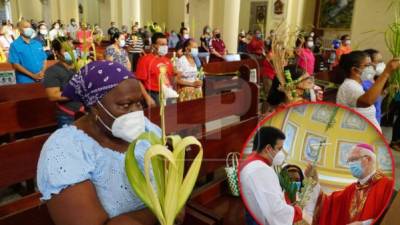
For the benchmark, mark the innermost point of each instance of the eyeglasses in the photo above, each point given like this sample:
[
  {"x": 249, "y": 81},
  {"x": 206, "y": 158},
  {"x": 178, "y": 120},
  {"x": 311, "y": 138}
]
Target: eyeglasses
[{"x": 355, "y": 159}]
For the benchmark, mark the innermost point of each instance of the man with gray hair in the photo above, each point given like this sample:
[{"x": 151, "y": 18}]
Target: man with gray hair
[{"x": 359, "y": 203}]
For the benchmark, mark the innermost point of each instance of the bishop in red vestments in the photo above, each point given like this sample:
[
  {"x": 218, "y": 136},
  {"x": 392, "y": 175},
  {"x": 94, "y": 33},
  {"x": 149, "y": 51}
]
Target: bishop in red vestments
[{"x": 360, "y": 203}]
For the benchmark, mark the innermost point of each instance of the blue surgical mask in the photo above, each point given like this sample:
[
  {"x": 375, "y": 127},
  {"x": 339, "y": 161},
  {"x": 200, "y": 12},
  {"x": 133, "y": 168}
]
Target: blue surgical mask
[
  {"x": 28, "y": 32},
  {"x": 68, "y": 57},
  {"x": 356, "y": 169},
  {"x": 163, "y": 50},
  {"x": 297, "y": 185},
  {"x": 194, "y": 52}
]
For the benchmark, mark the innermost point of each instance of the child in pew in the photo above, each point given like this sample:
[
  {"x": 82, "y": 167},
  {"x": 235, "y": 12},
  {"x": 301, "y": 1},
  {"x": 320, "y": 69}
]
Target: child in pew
[
  {"x": 189, "y": 85},
  {"x": 81, "y": 172}
]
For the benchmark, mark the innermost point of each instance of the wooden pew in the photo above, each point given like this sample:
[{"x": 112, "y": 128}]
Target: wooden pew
[
  {"x": 216, "y": 146},
  {"x": 18, "y": 163},
  {"x": 19, "y": 92},
  {"x": 26, "y": 117}
]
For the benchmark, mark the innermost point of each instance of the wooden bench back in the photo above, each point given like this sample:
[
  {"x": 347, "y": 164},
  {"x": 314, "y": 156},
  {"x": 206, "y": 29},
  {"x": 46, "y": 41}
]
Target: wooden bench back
[
  {"x": 18, "y": 92},
  {"x": 26, "y": 115},
  {"x": 19, "y": 160},
  {"x": 185, "y": 115},
  {"x": 230, "y": 67}
]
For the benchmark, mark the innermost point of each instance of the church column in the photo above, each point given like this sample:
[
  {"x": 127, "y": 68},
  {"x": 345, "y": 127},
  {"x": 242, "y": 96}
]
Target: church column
[
  {"x": 46, "y": 11},
  {"x": 230, "y": 28},
  {"x": 68, "y": 9},
  {"x": 135, "y": 11}
]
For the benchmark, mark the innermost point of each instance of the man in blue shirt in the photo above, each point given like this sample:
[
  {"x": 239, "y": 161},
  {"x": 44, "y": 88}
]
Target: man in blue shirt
[{"x": 27, "y": 56}]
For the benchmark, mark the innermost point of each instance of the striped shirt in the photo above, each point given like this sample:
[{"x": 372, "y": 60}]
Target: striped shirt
[{"x": 135, "y": 46}]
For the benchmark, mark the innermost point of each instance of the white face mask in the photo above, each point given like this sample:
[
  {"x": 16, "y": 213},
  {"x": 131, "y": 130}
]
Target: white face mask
[
  {"x": 368, "y": 73},
  {"x": 127, "y": 127},
  {"x": 43, "y": 31},
  {"x": 163, "y": 50},
  {"x": 380, "y": 67},
  {"x": 310, "y": 44},
  {"x": 279, "y": 158},
  {"x": 347, "y": 42},
  {"x": 186, "y": 36}
]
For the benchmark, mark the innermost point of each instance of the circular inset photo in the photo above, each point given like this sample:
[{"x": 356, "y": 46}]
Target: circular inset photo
[{"x": 316, "y": 163}]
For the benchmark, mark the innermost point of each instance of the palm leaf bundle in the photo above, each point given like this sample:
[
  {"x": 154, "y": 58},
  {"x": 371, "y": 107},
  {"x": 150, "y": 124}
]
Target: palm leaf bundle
[
  {"x": 171, "y": 189},
  {"x": 392, "y": 39}
]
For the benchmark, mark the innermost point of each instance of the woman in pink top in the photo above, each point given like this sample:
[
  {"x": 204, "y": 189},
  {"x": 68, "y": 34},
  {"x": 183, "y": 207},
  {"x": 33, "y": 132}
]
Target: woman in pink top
[{"x": 305, "y": 56}]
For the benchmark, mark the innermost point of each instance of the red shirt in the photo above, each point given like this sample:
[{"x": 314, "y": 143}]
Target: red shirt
[
  {"x": 256, "y": 46},
  {"x": 218, "y": 45},
  {"x": 148, "y": 70},
  {"x": 81, "y": 35},
  {"x": 268, "y": 70}
]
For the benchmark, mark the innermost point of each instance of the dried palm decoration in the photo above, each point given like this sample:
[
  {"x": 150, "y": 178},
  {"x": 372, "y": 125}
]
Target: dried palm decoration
[
  {"x": 282, "y": 49},
  {"x": 171, "y": 190}
]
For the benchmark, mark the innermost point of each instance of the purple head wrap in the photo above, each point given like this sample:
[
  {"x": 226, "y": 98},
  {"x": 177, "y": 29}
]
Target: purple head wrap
[{"x": 94, "y": 81}]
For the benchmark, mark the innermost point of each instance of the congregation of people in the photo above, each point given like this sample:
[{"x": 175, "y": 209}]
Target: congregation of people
[{"x": 362, "y": 75}]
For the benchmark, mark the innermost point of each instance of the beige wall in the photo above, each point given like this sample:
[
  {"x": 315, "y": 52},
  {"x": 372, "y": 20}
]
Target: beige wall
[
  {"x": 371, "y": 19},
  {"x": 176, "y": 14},
  {"x": 200, "y": 12}
]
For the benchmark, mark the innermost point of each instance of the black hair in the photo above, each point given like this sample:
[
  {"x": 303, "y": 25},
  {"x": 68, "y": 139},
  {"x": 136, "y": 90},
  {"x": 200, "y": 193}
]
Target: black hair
[
  {"x": 267, "y": 136},
  {"x": 187, "y": 43},
  {"x": 344, "y": 37},
  {"x": 205, "y": 29},
  {"x": 295, "y": 71},
  {"x": 157, "y": 36},
  {"x": 371, "y": 53},
  {"x": 56, "y": 44},
  {"x": 182, "y": 29},
  {"x": 115, "y": 36},
  {"x": 353, "y": 59},
  {"x": 300, "y": 40}
]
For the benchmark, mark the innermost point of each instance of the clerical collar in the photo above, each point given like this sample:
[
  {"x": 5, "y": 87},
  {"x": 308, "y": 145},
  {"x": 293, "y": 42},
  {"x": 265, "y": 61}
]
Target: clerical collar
[{"x": 367, "y": 178}]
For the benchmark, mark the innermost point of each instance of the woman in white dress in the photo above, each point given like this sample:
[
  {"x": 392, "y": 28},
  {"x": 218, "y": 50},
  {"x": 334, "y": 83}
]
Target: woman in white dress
[{"x": 189, "y": 84}]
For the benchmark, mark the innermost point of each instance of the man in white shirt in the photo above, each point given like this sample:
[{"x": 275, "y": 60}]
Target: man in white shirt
[
  {"x": 72, "y": 29},
  {"x": 260, "y": 188}
]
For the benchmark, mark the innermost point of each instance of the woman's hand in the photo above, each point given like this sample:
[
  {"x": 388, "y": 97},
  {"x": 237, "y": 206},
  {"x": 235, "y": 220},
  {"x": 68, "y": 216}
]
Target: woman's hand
[
  {"x": 198, "y": 83},
  {"x": 392, "y": 66}
]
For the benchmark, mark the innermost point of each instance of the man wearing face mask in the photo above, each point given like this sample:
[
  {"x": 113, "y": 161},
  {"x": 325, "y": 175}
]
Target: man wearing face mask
[
  {"x": 217, "y": 47},
  {"x": 27, "y": 56},
  {"x": 370, "y": 74},
  {"x": 259, "y": 182},
  {"x": 256, "y": 45},
  {"x": 72, "y": 29},
  {"x": 359, "y": 203},
  {"x": 345, "y": 47},
  {"x": 148, "y": 68},
  {"x": 56, "y": 77}
]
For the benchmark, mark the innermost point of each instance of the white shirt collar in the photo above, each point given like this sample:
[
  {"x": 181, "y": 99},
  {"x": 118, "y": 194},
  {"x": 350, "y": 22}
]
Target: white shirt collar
[{"x": 366, "y": 179}]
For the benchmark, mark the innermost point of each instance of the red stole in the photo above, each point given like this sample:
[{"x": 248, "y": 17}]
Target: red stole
[{"x": 355, "y": 203}]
